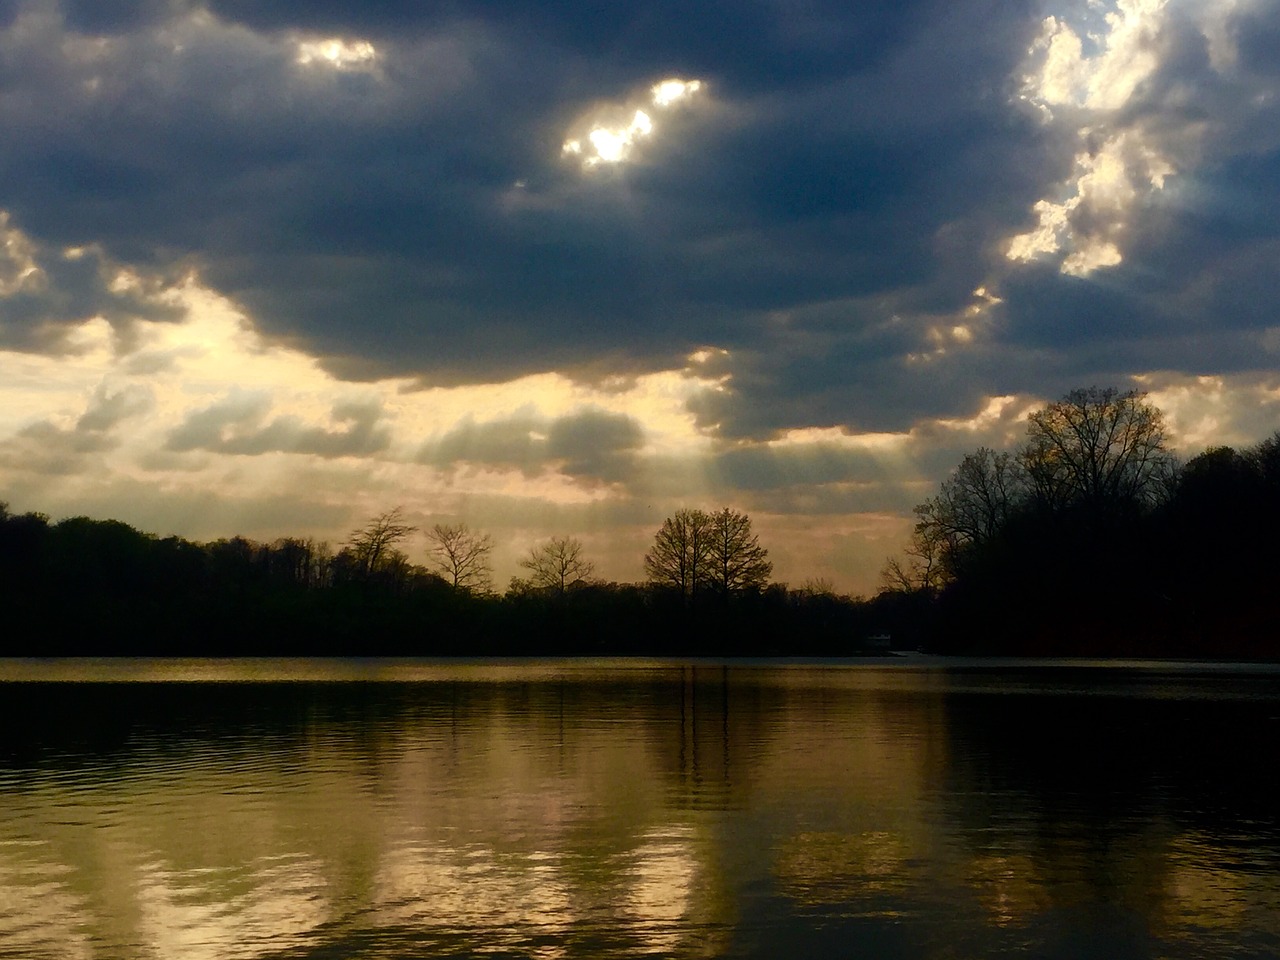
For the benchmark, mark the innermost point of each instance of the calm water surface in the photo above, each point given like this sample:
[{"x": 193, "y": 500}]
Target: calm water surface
[{"x": 359, "y": 810}]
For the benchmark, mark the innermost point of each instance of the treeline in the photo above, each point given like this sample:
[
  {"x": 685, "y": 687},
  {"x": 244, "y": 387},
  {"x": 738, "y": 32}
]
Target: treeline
[
  {"x": 1089, "y": 539},
  {"x": 100, "y": 587},
  {"x": 1092, "y": 539}
]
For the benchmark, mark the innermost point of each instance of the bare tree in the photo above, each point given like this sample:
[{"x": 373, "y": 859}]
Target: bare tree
[
  {"x": 817, "y": 587},
  {"x": 979, "y": 496},
  {"x": 462, "y": 556},
  {"x": 736, "y": 561},
  {"x": 557, "y": 563},
  {"x": 373, "y": 546},
  {"x": 924, "y": 567},
  {"x": 681, "y": 547},
  {"x": 1101, "y": 448}
]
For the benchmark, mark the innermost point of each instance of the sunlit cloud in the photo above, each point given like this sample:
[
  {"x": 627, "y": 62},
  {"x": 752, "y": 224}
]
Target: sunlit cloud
[
  {"x": 18, "y": 267},
  {"x": 669, "y": 91},
  {"x": 1085, "y": 221},
  {"x": 1214, "y": 410},
  {"x": 1109, "y": 181},
  {"x": 1068, "y": 76},
  {"x": 615, "y": 142},
  {"x": 611, "y": 146},
  {"x": 337, "y": 53}
]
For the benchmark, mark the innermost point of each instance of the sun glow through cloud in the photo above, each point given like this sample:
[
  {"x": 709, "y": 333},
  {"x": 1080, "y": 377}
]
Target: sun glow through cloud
[
  {"x": 669, "y": 91},
  {"x": 614, "y": 143},
  {"x": 337, "y": 53},
  {"x": 195, "y": 426}
]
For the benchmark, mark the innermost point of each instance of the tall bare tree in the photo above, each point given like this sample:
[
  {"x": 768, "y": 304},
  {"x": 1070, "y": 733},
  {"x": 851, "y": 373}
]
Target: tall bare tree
[
  {"x": 735, "y": 559},
  {"x": 979, "y": 496},
  {"x": 373, "y": 545},
  {"x": 1099, "y": 448},
  {"x": 681, "y": 547},
  {"x": 557, "y": 563},
  {"x": 462, "y": 556}
]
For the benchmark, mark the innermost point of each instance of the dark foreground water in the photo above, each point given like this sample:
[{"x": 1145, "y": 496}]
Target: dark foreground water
[{"x": 281, "y": 810}]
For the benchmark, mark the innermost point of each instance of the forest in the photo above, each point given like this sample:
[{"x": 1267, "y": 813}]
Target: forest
[
  {"x": 1089, "y": 539},
  {"x": 100, "y": 587},
  {"x": 1092, "y": 539}
]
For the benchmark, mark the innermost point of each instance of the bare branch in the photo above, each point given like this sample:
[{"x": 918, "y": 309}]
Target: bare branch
[
  {"x": 557, "y": 564},
  {"x": 373, "y": 543},
  {"x": 462, "y": 556}
]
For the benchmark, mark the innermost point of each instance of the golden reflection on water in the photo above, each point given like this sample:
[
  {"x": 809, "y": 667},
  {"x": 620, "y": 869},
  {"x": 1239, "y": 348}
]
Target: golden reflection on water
[
  {"x": 229, "y": 913},
  {"x": 839, "y": 868},
  {"x": 471, "y": 888},
  {"x": 1204, "y": 892},
  {"x": 40, "y": 917},
  {"x": 662, "y": 879},
  {"x": 1008, "y": 887},
  {"x": 671, "y": 811}
]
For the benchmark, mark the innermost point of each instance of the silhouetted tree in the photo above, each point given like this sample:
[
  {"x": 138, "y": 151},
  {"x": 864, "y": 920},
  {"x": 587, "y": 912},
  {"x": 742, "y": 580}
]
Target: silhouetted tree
[
  {"x": 462, "y": 556},
  {"x": 1265, "y": 458},
  {"x": 1217, "y": 547},
  {"x": 976, "y": 500},
  {"x": 372, "y": 547},
  {"x": 21, "y": 538},
  {"x": 924, "y": 566},
  {"x": 556, "y": 564},
  {"x": 1100, "y": 449},
  {"x": 735, "y": 559},
  {"x": 817, "y": 587},
  {"x": 1009, "y": 536},
  {"x": 298, "y": 561},
  {"x": 680, "y": 552}
]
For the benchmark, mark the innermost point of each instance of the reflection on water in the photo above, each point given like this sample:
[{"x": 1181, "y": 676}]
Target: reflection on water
[{"x": 695, "y": 810}]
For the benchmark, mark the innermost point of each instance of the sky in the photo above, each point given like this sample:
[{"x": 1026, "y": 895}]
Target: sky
[{"x": 274, "y": 268}]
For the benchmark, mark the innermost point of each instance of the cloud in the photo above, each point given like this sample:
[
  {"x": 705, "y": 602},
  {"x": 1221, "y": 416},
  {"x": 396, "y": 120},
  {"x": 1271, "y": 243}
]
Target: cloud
[
  {"x": 369, "y": 217},
  {"x": 108, "y": 409},
  {"x": 238, "y": 425},
  {"x": 47, "y": 448},
  {"x": 590, "y": 445},
  {"x": 594, "y": 443},
  {"x": 45, "y": 293}
]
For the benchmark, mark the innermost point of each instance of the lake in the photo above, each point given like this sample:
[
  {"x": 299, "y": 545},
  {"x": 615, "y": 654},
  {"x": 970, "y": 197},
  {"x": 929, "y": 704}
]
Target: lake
[{"x": 912, "y": 808}]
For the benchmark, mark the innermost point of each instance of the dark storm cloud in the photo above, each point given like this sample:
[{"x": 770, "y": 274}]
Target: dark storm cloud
[
  {"x": 1256, "y": 31},
  {"x": 238, "y": 425},
  {"x": 840, "y": 366},
  {"x": 43, "y": 292},
  {"x": 850, "y": 175},
  {"x": 592, "y": 445},
  {"x": 1196, "y": 290},
  {"x": 115, "y": 16},
  {"x": 758, "y": 44}
]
